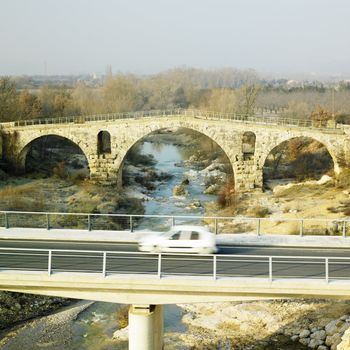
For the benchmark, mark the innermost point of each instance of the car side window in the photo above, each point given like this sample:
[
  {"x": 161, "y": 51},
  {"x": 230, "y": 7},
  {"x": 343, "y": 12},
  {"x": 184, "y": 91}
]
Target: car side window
[
  {"x": 175, "y": 236},
  {"x": 194, "y": 235},
  {"x": 186, "y": 235}
]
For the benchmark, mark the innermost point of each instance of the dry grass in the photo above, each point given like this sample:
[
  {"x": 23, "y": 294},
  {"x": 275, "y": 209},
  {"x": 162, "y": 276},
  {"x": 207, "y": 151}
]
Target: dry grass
[
  {"x": 25, "y": 197},
  {"x": 229, "y": 327},
  {"x": 343, "y": 179},
  {"x": 292, "y": 228},
  {"x": 258, "y": 212}
]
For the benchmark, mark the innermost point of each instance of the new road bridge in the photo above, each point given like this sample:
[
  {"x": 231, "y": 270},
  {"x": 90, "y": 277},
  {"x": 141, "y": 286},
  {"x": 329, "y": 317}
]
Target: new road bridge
[{"x": 94, "y": 264}]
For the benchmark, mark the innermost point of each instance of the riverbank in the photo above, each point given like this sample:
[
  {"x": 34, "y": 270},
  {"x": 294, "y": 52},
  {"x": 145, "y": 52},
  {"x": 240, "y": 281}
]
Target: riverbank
[
  {"x": 54, "y": 332},
  {"x": 256, "y": 325}
]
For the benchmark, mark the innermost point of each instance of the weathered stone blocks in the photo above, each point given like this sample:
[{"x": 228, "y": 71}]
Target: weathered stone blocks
[{"x": 125, "y": 133}]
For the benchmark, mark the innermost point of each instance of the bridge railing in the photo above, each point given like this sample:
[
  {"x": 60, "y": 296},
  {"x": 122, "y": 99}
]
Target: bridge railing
[
  {"x": 131, "y": 223},
  {"x": 108, "y": 263},
  {"x": 260, "y": 116}
]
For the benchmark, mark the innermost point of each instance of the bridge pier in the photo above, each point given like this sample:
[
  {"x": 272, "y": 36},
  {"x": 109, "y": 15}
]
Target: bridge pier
[{"x": 146, "y": 327}]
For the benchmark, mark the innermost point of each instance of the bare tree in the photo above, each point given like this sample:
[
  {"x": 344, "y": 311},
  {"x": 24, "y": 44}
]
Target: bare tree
[
  {"x": 248, "y": 94},
  {"x": 8, "y": 100},
  {"x": 320, "y": 117},
  {"x": 221, "y": 100}
]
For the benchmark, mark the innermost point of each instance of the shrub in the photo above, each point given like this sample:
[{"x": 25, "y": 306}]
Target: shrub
[
  {"x": 343, "y": 179},
  {"x": 60, "y": 170},
  {"x": 227, "y": 194},
  {"x": 292, "y": 228},
  {"x": 123, "y": 317},
  {"x": 259, "y": 212},
  {"x": 22, "y": 197}
]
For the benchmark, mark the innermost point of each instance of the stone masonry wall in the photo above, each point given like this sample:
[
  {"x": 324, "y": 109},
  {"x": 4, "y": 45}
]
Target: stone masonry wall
[{"x": 106, "y": 168}]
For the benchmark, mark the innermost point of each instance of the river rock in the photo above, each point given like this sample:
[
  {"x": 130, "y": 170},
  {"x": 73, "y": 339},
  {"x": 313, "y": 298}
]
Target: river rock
[
  {"x": 321, "y": 335},
  {"x": 335, "y": 346},
  {"x": 345, "y": 341},
  {"x": 179, "y": 190},
  {"x": 333, "y": 340},
  {"x": 330, "y": 339},
  {"x": 212, "y": 189},
  {"x": 315, "y": 343},
  {"x": 191, "y": 174},
  {"x": 294, "y": 338},
  {"x": 322, "y": 347},
  {"x": 324, "y": 179},
  {"x": 304, "y": 333},
  {"x": 214, "y": 166},
  {"x": 331, "y": 327},
  {"x": 304, "y": 341},
  {"x": 336, "y": 326},
  {"x": 18, "y": 307},
  {"x": 195, "y": 204},
  {"x": 185, "y": 182},
  {"x": 121, "y": 334}
]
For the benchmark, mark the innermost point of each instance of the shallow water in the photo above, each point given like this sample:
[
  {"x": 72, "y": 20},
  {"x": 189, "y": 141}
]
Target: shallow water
[
  {"x": 163, "y": 201},
  {"x": 94, "y": 328}
]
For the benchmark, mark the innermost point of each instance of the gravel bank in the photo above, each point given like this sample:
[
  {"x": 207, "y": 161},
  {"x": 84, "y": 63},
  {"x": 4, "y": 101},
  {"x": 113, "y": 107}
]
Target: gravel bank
[{"x": 52, "y": 332}]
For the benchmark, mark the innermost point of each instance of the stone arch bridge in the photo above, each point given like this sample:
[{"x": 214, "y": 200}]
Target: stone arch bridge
[{"x": 106, "y": 139}]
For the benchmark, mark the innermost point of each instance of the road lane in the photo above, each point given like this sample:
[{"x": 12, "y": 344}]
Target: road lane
[
  {"x": 132, "y": 247},
  {"x": 124, "y": 259}
]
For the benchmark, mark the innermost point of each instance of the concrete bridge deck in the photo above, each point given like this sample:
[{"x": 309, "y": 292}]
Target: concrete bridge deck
[{"x": 138, "y": 278}]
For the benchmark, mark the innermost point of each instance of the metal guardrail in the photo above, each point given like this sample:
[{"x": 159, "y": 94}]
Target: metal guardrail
[
  {"x": 131, "y": 222},
  {"x": 107, "y": 263},
  {"x": 260, "y": 117}
]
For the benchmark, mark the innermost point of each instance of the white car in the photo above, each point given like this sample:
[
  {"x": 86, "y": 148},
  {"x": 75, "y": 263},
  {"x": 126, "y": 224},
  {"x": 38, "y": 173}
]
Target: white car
[{"x": 180, "y": 239}]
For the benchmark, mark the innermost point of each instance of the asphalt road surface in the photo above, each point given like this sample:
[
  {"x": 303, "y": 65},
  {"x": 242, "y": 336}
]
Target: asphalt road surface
[{"x": 123, "y": 258}]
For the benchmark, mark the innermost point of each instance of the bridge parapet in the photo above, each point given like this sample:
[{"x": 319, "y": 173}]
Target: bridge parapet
[
  {"x": 129, "y": 223},
  {"x": 260, "y": 116}
]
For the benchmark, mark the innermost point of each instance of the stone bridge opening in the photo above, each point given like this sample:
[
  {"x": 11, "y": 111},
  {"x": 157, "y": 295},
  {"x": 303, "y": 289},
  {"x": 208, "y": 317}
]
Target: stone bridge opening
[
  {"x": 184, "y": 148},
  {"x": 297, "y": 159},
  {"x": 53, "y": 155},
  {"x": 103, "y": 142}
]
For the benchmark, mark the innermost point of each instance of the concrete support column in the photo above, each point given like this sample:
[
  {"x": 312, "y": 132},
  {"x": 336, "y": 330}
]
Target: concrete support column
[{"x": 146, "y": 327}]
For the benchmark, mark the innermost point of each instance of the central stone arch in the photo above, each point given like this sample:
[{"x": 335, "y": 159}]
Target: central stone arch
[{"x": 166, "y": 125}]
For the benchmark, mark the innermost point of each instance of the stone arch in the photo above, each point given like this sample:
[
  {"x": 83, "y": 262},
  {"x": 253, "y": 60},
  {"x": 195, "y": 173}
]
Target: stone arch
[
  {"x": 332, "y": 149},
  {"x": 248, "y": 145},
  {"x": 307, "y": 137},
  {"x": 103, "y": 142},
  {"x": 151, "y": 129},
  {"x": 22, "y": 155}
]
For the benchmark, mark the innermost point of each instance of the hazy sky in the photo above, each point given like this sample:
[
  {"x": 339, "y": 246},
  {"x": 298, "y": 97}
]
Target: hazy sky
[{"x": 147, "y": 36}]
